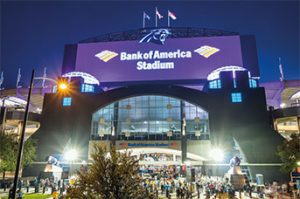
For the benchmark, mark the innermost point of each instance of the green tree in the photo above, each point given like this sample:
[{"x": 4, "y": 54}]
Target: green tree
[
  {"x": 9, "y": 145},
  {"x": 112, "y": 176},
  {"x": 289, "y": 153}
]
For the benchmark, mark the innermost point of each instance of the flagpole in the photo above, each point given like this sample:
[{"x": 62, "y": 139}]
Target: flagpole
[
  {"x": 168, "y": 19},
  {"x": 155, "y": 17}
]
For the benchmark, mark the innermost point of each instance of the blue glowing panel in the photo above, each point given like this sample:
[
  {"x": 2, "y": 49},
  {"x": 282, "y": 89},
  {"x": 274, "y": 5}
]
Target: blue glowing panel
[
  {"x": 67, "y": 101},
  {"x": 236, "y": 97},
  {"x": 87, "y": 88}
]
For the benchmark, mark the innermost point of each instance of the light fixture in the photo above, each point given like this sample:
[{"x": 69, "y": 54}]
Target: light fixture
[
  {"x": 63, "y": 86},
  {"x": 70, "y": 155},
  {"x": 282, "y": 105},
  {"x": 217, "y": 154}
]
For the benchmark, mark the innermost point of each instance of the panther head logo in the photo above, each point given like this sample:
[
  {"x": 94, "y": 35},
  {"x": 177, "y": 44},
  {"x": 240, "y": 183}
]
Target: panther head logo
[{"x": 157, "y": 36}]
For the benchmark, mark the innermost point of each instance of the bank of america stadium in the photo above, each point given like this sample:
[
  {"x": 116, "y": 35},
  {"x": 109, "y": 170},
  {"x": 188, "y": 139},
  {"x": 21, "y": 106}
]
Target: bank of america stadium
[{"x": 180, "y": 97}]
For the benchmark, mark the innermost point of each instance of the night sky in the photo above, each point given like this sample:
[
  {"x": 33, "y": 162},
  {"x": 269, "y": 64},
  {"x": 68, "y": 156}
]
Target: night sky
[{"x": 33, "y": 33}]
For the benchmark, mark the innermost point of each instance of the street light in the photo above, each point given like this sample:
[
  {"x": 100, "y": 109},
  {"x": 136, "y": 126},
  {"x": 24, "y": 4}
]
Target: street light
[
  {"x": 21, "y": 147},
  {"x": 63, "y": 86},
  {"x": 22, "y": 136}
]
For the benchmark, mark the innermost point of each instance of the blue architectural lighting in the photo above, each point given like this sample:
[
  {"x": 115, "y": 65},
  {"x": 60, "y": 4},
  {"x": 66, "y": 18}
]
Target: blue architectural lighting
[
  {"x": 215, "y": 84},
  {"x": 67, "y": 101},
  {"x": 236, "y": 97},
  {"x": 252, "y": 83},
  {"x": 87, "y": 88},
  {"x": 234, "y": 83}
]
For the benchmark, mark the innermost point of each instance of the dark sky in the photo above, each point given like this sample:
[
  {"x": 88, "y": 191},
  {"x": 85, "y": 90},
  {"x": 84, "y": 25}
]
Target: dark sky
[{"x": 33, "y": 33}]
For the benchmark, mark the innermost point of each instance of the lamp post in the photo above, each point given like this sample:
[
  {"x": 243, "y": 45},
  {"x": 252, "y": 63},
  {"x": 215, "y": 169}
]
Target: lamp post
[{"x": 21, "y": 146}]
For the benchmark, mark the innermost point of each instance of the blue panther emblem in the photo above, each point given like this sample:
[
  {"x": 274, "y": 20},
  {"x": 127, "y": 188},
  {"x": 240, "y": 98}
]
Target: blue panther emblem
[{"x": 157, "y": 36}]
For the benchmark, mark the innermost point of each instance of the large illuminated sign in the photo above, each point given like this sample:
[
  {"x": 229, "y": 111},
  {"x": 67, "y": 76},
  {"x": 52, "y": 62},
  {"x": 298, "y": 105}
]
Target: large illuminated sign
[
  {"x": 157, "y": 36},
  {"x": 145, "y": 60}
]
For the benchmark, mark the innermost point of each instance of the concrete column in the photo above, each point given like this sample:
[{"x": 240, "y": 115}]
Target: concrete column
[
  {"x": 114, "y": 123},
  {"x": 2, "y": 117},
  {"x": 183, "y": 134},
  {"x": 298, "y": 123}
]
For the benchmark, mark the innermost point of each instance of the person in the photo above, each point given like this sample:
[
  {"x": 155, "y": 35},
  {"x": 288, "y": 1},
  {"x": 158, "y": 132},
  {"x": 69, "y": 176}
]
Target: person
[
  {"x": 5, "y": 185},
  {"x": 27, "y": 184},
  {"x": 20, "y": 183},
  {"x": 54, "y": 193},
  {"x": 10, "y": 193},
  {"x": 178, "y": 192},
  {"x": 19, "y": 194},
  {"x": 198, "y": 188}
]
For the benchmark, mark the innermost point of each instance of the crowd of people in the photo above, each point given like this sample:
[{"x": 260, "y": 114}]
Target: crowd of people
[
  {"x": 167, "y": 182},
  {"x": 214, "y": 187}
]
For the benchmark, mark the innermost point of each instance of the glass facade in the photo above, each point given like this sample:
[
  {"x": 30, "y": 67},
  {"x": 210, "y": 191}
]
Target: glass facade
[{"x": 150, "y": 118}]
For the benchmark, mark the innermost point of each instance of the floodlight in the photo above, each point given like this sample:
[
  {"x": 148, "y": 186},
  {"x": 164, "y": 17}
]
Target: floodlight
[
  {"x": 63, "y": 86},
  {"x": 71, "y": 155},
  {"x": 217, "y": 154}
]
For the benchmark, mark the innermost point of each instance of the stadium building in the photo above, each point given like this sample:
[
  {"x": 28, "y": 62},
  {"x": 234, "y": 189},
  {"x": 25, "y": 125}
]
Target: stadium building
[{"x": 182, "y": 97}]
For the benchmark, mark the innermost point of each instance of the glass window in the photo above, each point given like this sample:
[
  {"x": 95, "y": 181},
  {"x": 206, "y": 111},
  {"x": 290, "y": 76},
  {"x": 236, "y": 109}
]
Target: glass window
[
  {"x": 215, "y": 84},
  {"x": 149, "y": 117},
  {"x": 252, "y": 83},
  {"x": 87, "y": 88},
  {"x": 67, "y": 101},
  {"x": 236, "y": 97},
  {"x": 54, "y": 89}
]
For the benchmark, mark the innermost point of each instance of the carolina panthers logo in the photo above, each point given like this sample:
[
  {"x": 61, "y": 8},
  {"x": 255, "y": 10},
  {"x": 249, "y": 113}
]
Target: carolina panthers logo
[{"x": 157, "y": 36}]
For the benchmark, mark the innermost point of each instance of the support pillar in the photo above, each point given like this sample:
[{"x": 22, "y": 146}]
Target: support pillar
[{"x": 114, "y": 122}]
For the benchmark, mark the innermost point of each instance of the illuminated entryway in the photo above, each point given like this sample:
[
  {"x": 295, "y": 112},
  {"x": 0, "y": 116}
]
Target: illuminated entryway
[{"x": 162, "y": 156}]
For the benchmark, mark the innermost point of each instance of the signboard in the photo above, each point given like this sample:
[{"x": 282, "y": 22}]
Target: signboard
[
  {"x": 148, "y": 144},
  {"x": 174, "y": 59}
]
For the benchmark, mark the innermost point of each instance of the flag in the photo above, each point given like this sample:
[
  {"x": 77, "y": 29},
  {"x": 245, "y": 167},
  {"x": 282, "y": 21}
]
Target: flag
[
  {"x": 18, "y": 78},
  {"x": 172, "y": 15},
  {"x": 146, "y": 16},
  {"x": 281, "y": 70},
  {"x": 158, "y": 14}
]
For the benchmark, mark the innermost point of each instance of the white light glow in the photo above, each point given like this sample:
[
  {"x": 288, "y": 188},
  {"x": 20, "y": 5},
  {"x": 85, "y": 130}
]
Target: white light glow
[
  {"x": 87, "y": 78},
  {"x": 11, "y": 101},
  {"x": 216, "y": 73},
  {"x": 217, "y": 154},
  {"x": 295, "y": 96},
  {"x": 187, "y": 163},
  {"x": 71, "y": 155},
  {"x": 282, "y": 105}
]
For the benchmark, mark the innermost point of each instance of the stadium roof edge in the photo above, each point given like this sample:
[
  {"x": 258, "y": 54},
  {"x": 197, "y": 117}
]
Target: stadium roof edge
[{"x": 177, "y": 32}]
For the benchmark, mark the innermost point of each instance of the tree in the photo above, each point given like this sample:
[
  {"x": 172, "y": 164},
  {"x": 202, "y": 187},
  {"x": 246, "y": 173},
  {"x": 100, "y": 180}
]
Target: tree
[
  {"x": 9, "y": 145},
  {"x": 289, "y": 153},
  {"x": 112, "y": 175}
]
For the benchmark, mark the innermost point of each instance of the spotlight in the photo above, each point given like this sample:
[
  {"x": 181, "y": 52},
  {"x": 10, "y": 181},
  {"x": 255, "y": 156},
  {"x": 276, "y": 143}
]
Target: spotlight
[
  {"x": 217, "y": 154},
  {"x": 71, "y": 155}
]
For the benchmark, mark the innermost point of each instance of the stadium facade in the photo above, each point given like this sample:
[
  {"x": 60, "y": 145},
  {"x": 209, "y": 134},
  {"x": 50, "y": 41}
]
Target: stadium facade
[{"x": 176, "y": 93}]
